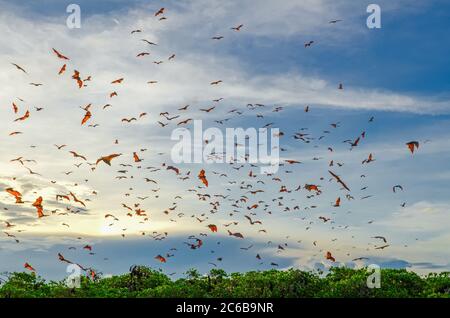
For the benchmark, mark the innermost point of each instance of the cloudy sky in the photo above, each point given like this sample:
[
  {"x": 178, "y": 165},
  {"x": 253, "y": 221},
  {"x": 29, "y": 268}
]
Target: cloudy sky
[{"x": 397, "y": 75}]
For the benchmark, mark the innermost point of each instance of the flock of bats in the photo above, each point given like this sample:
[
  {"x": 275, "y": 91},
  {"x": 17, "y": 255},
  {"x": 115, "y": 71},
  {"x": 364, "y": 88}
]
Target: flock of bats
[{"x": 246, "y": 207}]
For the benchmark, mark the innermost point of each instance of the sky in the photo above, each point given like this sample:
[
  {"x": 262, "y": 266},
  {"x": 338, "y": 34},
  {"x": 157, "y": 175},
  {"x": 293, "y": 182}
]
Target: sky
[{"x": 397, "y": 75}]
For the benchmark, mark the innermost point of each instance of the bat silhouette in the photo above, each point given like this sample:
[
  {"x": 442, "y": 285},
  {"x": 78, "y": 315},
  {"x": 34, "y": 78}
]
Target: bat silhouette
[
  {"x": 202, "y": 177},
  {"x": 16, "y": 194},
  {"x": 251, "y": 221},
  {"x": 38, "y": 205},
  {"x": 107, "y": 159},
  {"x": 237, "y": 28},
  {"x": 117, "y": 81},
  {"x": 29, "y": 267},
  {"x": 159, "y": 12},
  {"x": 19, "y": 68},
  {"x": 238, "y": 235},
  {"x": 59, "y": 55},
  {"x": 212, "y": 227},
  {"x": 330, "y": 257},
  {"x": 27, "y": 115},
  {"x": 62, "y": 69},
  {"x": 412, "y": 145},
  {"x": 338, "y": 179}
]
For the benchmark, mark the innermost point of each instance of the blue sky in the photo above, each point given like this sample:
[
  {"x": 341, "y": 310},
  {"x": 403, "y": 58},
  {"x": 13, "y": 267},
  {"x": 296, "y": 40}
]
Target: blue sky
[{"x": 398, "y": 74}]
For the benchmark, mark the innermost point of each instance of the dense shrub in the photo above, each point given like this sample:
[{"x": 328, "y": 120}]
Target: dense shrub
[{"x": 144, "y": 282}]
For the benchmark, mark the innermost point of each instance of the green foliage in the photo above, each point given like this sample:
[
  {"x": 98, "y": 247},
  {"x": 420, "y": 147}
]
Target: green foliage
[{"x": 144, "y": 282}]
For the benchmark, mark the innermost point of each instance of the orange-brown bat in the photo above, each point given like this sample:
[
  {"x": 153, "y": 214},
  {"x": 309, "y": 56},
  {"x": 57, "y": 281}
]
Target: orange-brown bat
[
  {"x": 311, "y": 187},
  {"x": 76, "y": 76},
  {"x": 160, "y": 11},
  {"x": 112, "y": 94},
  {"x": 62, "y": 259},
  {"x": 202, "y": 177},
  {"x": 117, "y": 81},
  {"x": 338, "y": 179},
  {"x": 216, "y": 82},
  {"x": 77, "y": 155},
  {"x": 207, "y": 110},
  {"x": 330, "y": 257},
  {"x": 16, "y": 194},
  {"x": 142, "y": 54},
  {"x": 27, "y": 115},
  {"x": 76, "y": 200},
  {"x": 62, "y": 196},
  {"x": 177, "y": 171},
  {"x": 171, "y": 57},
  {"x": 8, "y": 225},
  {"x": 29, "y": 267},
  {"x": 107, "y": 159},
  {"x": 59, "y": 55},
  {"x": 87, "y": 107},
  {"x": 15, "y": 108},
  {"x": 212, "y": 227},
  {"x": 369, "y": 159},
  {"x": 337, "y": 203},
  {"x": 184, "y": 121},
  {"x": 62, "y": 69},
  {"x": 38, "y": 205},
  {"x": 86, "y": 117},
  {"x": 292, "y": 161},
  {"x": 411, "y": 145},
  {"x": 136, "y": 157},
  {"x": 92, "y": 273},
  {"x": 160, "y": 258}
]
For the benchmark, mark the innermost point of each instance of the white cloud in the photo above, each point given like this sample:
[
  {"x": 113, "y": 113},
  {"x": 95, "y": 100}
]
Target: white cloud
[{"x": 421, "y": 216}]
